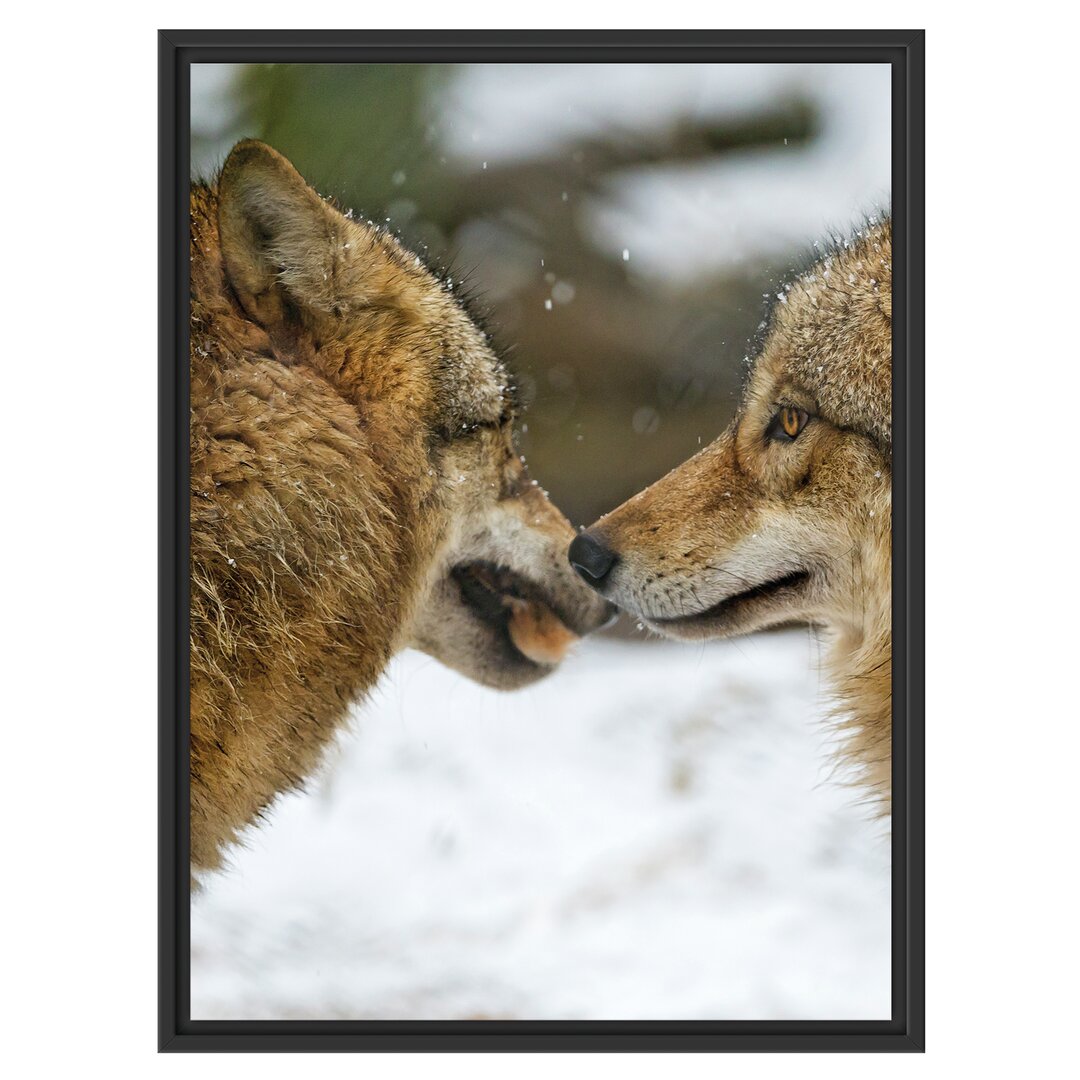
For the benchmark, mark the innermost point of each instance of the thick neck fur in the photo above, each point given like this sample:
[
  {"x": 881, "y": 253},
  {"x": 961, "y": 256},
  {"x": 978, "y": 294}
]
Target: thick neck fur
[
  {"x": 308, "y": 550},
  {"x": 860, "y": 666}
]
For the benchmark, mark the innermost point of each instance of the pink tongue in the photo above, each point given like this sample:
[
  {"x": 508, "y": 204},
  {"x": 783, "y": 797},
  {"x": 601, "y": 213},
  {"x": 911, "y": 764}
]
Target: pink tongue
[{"x": 538, "y": 632}]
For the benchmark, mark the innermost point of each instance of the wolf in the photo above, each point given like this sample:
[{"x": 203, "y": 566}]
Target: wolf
[
  {"x": 786, "y": 517},
  {"x": 354, "y": 490}
]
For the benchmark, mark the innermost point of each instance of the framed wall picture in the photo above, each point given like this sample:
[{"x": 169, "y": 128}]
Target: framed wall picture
[{"x": 541, "y": 523}]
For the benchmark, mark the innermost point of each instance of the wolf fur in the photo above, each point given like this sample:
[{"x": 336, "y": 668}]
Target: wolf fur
[
  {"x": 761, "y": 528},
  {"x": 354, "y": 489}
]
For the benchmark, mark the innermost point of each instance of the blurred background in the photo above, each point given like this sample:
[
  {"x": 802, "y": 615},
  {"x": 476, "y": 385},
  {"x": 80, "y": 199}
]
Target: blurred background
[
  {"x": 656, "y": 830},
  {"x": 621, "y": 225}
]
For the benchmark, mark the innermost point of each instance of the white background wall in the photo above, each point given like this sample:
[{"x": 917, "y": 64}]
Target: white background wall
[{"x": 79, "y": 541}]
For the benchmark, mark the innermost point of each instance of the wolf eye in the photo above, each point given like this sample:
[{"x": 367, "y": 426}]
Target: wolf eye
[{"x": 787, "y": 423}]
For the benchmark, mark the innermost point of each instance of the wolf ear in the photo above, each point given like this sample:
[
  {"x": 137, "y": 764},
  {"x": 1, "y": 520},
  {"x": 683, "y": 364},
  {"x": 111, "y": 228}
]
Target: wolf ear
[{"x": 280, "y": 242}]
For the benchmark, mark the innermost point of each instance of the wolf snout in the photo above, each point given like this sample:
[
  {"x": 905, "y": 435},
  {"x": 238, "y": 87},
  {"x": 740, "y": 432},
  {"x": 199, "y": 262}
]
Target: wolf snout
[{"x": 591, "y": 558}]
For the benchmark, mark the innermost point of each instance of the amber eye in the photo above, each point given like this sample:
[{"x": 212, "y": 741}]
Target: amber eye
[
  {"x": 791, "y": 421},
  {"x": 787, "y": 423}
]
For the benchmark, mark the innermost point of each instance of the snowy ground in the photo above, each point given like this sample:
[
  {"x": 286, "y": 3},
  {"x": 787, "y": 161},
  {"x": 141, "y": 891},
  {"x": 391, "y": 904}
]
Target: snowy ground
[{"x": 650, "y": 833}]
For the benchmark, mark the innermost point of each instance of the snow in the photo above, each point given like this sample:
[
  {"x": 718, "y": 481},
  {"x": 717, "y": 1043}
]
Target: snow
[
  {"x": 214, "y": 108},
  {"x": 504, "y": 112},
  {"x": 652, "y": 832},
  {"x": 655, "y": 830},
  {"x": 682, "y": 219}
]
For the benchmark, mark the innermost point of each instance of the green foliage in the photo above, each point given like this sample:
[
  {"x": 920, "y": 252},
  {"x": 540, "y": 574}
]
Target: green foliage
[{"x": 362, "y": 129}]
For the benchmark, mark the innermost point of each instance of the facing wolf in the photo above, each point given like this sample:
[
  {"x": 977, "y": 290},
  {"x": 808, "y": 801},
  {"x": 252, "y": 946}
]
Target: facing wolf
[
  {"x": 786, "y": 517},
  {"x": 354, "y": 490}
]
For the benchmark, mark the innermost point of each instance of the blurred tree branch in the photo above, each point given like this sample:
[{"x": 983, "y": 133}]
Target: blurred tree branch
[{"x": 585, "y": 164}]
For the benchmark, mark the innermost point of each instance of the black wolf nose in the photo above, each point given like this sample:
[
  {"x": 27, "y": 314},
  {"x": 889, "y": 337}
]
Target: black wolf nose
[{"x": 591, "y": 559}]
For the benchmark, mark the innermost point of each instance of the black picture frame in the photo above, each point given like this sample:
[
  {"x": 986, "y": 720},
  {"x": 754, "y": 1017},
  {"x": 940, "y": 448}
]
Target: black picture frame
[{"x": 904, "y": 51}]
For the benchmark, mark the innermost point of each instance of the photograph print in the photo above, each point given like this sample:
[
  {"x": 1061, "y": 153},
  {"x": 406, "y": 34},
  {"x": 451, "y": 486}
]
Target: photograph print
[{"x": 539, "y": 532}]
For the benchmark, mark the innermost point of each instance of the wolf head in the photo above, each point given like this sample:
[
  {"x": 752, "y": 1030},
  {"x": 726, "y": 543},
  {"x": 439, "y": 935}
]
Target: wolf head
[
  {"x": 786, "y": 516},
  {"x": 495, "y": 599}
]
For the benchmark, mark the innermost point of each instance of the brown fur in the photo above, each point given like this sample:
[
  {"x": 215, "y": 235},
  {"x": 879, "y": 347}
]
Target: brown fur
[
  {"x": 751, "y": 510},
  {"x": 350, "y": 453}
]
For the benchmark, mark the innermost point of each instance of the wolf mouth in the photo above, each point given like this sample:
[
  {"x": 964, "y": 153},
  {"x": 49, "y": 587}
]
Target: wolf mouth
[
  {"x": 526, "y": 620},
  {"x": 726, "y": 609}
]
